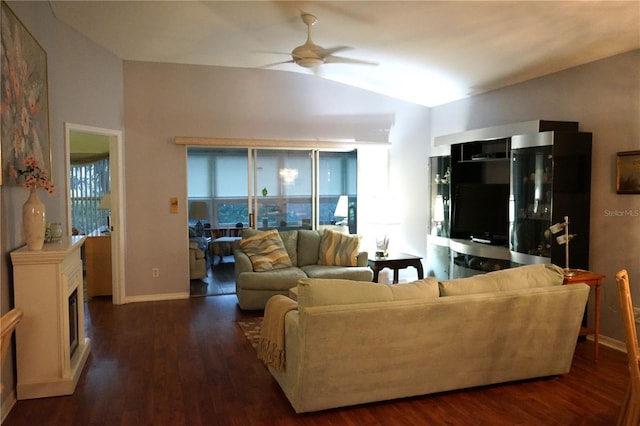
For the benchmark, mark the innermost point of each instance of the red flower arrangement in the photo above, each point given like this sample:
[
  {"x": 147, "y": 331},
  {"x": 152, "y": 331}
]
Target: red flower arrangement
[{"x": 33, "y": 176}]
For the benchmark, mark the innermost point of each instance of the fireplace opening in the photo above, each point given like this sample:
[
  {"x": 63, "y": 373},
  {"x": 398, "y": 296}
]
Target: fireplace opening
[{"x": 73, "y": 322}]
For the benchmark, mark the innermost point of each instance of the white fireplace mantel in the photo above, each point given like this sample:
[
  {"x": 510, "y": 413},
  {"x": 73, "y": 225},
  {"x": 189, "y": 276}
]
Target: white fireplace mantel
[{"x": 43, "y": 282}]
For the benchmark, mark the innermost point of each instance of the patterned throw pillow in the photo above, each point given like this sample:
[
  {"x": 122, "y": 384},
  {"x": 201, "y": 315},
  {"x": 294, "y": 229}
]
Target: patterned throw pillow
[
  {"x": 338, "y": 249},
  {"x": 266, "y": 251}
]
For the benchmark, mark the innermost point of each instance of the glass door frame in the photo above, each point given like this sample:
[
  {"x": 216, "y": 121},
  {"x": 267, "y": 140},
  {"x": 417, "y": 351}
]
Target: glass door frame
[
  {"x": 315, "y": 155},
  {"x": 253, "y": 191}
]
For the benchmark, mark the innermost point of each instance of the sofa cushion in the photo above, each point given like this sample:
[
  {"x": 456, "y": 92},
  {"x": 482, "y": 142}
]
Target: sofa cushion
[
  {"x": 274, "y": 280},
  {"x": 529, "y": 276},
  {"x": 338, "y": 249},
  {"x": 355, "y": 273},
  {"x": 290, "y": 241},
  {"x": 266, "y": 251},
  {"x": 308, "y": 245},
  {"x": 426, "y": 288},
  {"x": 320, "y": 292}
]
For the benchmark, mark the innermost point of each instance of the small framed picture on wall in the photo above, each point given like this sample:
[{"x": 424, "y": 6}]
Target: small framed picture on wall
[{"x": 628, "y": 172}]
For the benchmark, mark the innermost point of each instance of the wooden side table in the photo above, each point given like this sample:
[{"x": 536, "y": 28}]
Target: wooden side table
[
  {"x": 97, "y": 250},
  {"x": 592, "y": 279},
  {"x": 395, "y": 262}
]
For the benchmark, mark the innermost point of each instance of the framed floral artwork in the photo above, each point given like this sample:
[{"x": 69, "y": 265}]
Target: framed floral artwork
[
  {"x": 628, "y": 172},
  {"x": 24, "y": 123}
]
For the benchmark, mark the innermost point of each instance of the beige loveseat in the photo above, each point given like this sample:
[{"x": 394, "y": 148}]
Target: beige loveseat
[
  {"x": 351, "y": 343},
  {"x": 253, "y": 289},
  {"x": 197, "y": 261}
]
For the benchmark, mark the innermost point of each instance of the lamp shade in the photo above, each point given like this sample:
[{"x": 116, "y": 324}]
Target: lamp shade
[
  {"x": 557, "y": 227},
  {"x": 438, "y": 209},
  {"x": 342, "y": 208},
  {"x": 105, "y": 201},
  {"x": 198, "y": 210}
]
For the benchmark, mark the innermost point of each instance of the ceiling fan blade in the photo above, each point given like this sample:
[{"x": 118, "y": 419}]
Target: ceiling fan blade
[
  {"x": 291, "y": 61},
  {"x": 271, "y": 52},
  {"x": 341, "y": 60},
  {"x": 331, "y": 50}
]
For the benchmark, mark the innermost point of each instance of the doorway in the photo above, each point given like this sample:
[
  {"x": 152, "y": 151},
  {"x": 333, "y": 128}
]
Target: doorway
[
  {"x": 262, "y": 188},
  {"x": 100, "y": 143}
]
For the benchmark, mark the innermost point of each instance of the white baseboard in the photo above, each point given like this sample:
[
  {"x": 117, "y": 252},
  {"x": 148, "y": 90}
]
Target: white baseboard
[
  {"x": 156, "y": 297},
  {"x": 611, "y": 343}
]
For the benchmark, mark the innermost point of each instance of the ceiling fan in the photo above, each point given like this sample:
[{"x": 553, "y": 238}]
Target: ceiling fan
[{"x": 310, "y": 55}]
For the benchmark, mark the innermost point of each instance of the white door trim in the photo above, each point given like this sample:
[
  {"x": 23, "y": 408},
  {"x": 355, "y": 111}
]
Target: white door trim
[{"x": 116, "y": 167}]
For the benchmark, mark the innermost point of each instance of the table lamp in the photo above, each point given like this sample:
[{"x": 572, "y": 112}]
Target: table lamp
[
  {"x": 564, "y": 239},
  {"x": 342, "y": 210},
  {"x": 438, "y": 214},
  {"x": 199, "y": 211},
  {"x": 105, "y": 204},
  {"x": 386, "y": 217}
]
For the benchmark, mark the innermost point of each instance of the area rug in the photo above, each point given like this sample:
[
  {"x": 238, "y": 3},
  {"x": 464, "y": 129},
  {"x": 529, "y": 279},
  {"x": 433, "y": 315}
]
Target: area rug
[{"x": 251, "y": 329}]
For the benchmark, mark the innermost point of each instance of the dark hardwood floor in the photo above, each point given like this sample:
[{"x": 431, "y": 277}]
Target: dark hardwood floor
[
  {"x": 220, "y": 278},
  {"x": 186, "y": 362}
]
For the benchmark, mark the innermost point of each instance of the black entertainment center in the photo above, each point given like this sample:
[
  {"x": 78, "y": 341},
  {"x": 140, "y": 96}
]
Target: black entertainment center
[
  {"x": 489, "y": 202},
  {"x": 495, "y": 192}
]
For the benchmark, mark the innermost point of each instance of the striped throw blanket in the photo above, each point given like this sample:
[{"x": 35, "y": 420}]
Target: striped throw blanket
[{"x": 272, "y": 335}]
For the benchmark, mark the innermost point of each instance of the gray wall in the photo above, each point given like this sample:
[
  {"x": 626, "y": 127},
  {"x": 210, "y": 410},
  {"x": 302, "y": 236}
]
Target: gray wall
[
  {"x": 604, "y": 96},
  {"x": 163, "y": 101},
  {"x": 85, "y": 87}
]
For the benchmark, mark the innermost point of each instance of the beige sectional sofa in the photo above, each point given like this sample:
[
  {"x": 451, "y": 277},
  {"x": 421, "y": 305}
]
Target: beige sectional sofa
[
  {"x": 352, "y": 342},
  {"x": 303, "y": 247}
]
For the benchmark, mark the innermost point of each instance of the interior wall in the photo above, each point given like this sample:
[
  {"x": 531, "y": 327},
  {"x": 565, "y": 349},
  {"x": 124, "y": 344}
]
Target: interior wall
[
  {"x": 85, "y": 86},
  {"x": 163, "y": 101},
  {"x": 409, "y": 180},
  {"x": 604, "y": 97}
]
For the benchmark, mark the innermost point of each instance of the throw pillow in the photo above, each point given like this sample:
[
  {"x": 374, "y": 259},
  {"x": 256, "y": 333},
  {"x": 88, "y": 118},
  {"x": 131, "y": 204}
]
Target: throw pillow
[
  {"x": 338, "y": 249},
  {"x": 266, "y": 251},
  {"x": 289, "y": 239}
]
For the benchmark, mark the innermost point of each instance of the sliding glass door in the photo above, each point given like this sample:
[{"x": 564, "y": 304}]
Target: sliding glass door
[
  {"x": 218, "y": 177},
  {"x": 337, "y": 189},
  {"x": 274, "y": 188},
  {"x": 282, "y": 193}
]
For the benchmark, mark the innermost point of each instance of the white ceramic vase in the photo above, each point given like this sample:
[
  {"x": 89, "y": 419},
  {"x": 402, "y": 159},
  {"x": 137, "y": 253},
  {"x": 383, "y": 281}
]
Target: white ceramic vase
[{"x": 33, "y": 221}]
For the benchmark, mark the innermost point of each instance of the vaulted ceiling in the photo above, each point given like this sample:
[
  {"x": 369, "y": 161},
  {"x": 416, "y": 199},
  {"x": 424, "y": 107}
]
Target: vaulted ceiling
[{"x": 428, "y": 52}]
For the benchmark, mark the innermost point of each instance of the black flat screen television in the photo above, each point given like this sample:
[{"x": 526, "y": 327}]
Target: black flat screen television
[{"x": 481, "y": 212}]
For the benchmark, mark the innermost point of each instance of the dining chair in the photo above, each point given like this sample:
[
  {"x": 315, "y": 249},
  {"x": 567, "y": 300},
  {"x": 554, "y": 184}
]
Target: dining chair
[{"x": 630, "y": 411}]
